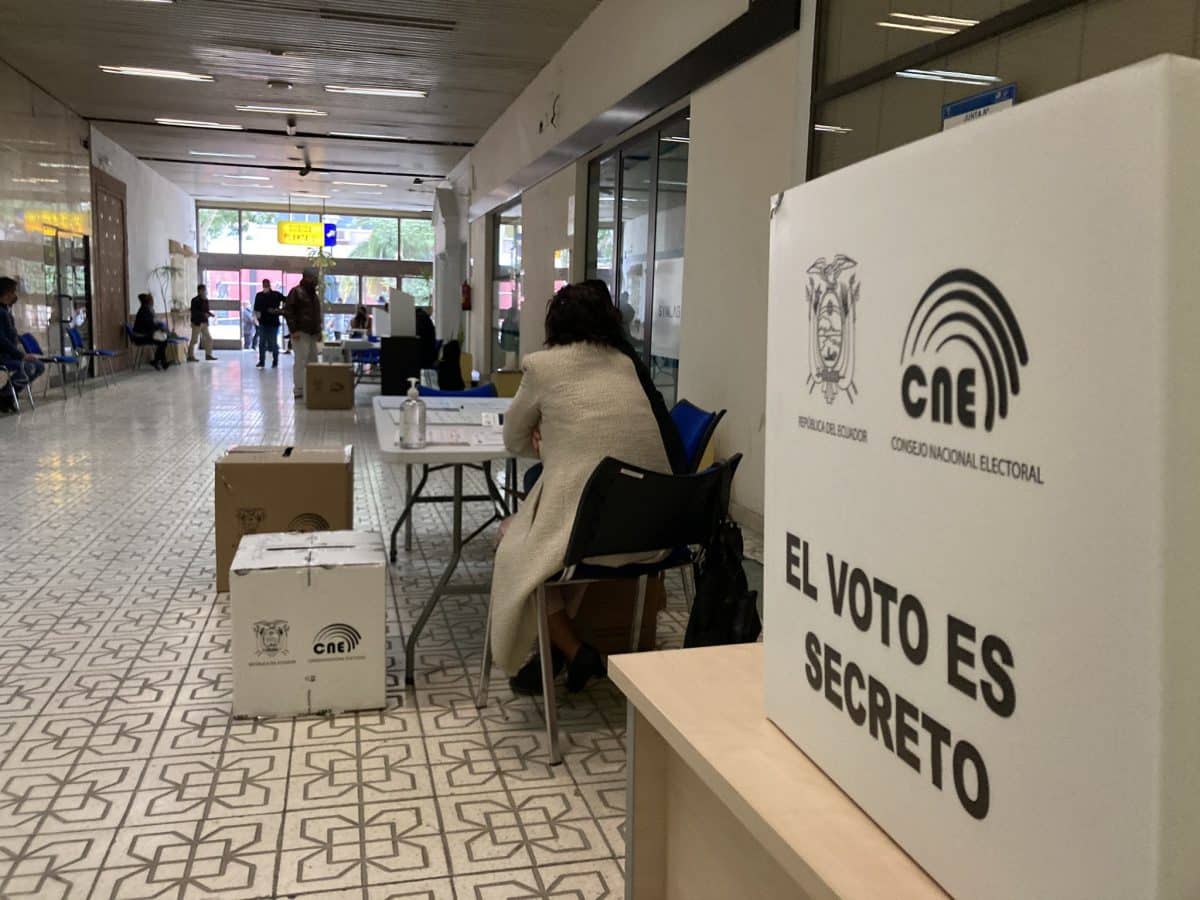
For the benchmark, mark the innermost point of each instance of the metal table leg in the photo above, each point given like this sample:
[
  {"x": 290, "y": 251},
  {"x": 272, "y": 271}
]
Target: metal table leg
[
  {"x": 406, "y": 516},
  {"x": 408, "y": 496}
]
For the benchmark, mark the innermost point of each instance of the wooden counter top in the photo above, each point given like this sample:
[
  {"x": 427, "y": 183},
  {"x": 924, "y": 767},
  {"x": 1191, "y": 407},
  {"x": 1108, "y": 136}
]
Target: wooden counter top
[{"x": 707, "y": 704}]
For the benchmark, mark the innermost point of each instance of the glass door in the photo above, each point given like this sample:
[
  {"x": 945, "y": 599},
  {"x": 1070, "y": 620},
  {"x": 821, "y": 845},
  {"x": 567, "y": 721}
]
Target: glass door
[
  {"x": 507, "y": 293},
  {"x": 637, "y": 200}
]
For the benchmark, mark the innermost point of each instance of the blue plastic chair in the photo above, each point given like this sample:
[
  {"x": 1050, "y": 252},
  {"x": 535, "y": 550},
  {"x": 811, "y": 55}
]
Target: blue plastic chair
[
  {"x": 13, "y": 369},
  {"x": 31, "y": 345},
  {"x": 696, "y": 427},
  {"x": 101, "y": 356},
  {"x": 484, "y": 390}
]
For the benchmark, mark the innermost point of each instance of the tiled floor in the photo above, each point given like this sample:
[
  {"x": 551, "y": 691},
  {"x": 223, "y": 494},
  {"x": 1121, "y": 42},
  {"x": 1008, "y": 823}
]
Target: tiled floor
[{"x": 122, "y": 773}]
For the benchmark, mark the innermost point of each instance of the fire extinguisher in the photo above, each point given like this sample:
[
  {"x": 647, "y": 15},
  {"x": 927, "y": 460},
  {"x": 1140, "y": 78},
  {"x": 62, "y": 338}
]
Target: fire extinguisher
[{"x": 466, "y": 295}]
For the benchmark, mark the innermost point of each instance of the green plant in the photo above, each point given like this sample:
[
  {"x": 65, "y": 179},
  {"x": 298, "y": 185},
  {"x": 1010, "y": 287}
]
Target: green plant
[{"x": 163, "y": 277}]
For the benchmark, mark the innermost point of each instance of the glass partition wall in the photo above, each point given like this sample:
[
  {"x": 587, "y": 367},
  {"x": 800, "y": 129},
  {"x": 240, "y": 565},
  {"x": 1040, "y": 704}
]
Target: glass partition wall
[
  {"x": 637, "y": 199},
  {"x": 507, "y": 288},
  {"x": 374, "y": 254}
]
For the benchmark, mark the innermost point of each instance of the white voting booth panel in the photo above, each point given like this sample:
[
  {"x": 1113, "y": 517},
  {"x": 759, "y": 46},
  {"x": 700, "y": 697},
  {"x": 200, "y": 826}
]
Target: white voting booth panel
[
  {"x": 308, "y": 623},
  {"x": 983, "y": 465}
]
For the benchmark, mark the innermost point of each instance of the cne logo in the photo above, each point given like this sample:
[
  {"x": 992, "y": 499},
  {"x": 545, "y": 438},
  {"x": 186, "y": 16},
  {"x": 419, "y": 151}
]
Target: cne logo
[
  {"x": 962, "y": 339},
  {"x": 308, "y": 522},
  {"x": 336, "y": 638}
]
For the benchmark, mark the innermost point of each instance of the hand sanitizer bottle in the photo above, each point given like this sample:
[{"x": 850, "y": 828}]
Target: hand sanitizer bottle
[{"x": 412, "y": 431}]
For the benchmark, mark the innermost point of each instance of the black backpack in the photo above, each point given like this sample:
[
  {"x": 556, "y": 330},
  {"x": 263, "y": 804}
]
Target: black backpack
[{"x": 725, "y": 610}]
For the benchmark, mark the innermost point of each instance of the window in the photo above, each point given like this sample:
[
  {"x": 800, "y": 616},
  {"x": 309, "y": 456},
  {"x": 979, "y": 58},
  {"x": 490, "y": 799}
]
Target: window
[
  {"x": 377, "y": 290},
  {"x": 416, "y": 240},
  {"x": 260, "y": 232},
  {"x": 507, "y": 296},
  {"x": 637, "y": 199},
  {"x": 219, "y": 230},
  {"x": 365, "y": 237},
  {"x": 420, "y": 287}
]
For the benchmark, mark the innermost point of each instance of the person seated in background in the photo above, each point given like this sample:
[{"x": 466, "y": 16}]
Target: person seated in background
[
  {"x": 427, "y": 335},
  {"x": 22, "y": 367},
  {"x": 449, "y": 370},
  {"x": 361, "y": 321},
  {"x": 583, "y": 398},
  {"x": 149, "y": 333}
]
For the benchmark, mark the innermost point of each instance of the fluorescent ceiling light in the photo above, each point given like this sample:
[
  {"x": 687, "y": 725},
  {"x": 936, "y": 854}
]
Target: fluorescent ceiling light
[
  {"x": 365, "y": 134},
  {"x": 832, "y": 129},
  {"x": 359, "y": 184},
  {"x": 155, "y": 73},
  {"x": 253, "y": 187},
  {"x": 191, "y": 123},
  {"x": 248, "y": 177},
  {"x": 52, "y": 165},
  {"x": 222, "y": 155},
  {"x": 35, "y": 181},
  {"x": 949, "y": 77},
  {"x": 153, "y": 1},
  {"x": 305, "y": 195},
  {"x": 936, "y": 20},
  {"x": 369, "y": 193},
  {"x": 281, "y": 110},
  {"x": 678, "y": 140},
  {"x": 375, "y": 91},
  {"x": 932, "y": 29}
]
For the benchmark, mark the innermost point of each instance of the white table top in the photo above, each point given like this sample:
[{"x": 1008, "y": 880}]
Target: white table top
[{"x": 387, "y": 431}]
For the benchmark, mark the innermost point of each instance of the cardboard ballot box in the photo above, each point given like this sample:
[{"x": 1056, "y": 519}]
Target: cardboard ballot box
[
  {"x": 270, "y": 489},
  {"x": 308, "y": 623},
  {"x": 329, "y": 386}
]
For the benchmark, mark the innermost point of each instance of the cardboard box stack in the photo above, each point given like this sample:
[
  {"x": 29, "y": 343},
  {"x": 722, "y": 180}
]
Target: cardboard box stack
[
  {"x": 273, "y": 489},
  {"x": 308, "y": 623}
]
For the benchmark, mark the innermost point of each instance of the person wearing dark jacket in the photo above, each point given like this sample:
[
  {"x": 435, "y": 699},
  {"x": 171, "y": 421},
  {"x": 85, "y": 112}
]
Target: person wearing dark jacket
[
  {"x": 23, "y": 367},
  {"x": 427, "y": 336},
  {"x": 268, "y": 308},
  {"x": 449, "y": 370},
  {"x": 200, "y": 316},
  {"x": 306, "y": 322},
  {"x": 149, "y": 333}
]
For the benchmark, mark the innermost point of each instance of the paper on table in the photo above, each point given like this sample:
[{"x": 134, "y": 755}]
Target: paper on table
[
  {"x": 445, "y": 435},
  {"x": 487, "y": 437}
]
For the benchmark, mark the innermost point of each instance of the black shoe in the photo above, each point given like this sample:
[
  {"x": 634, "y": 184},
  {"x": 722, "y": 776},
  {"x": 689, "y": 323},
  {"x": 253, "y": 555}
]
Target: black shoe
[
  {"x": 210, "y": 358},
  {"x": 260, "y": 366},
  {"x": 157, "y": 365},
  {"x": 528, "y": 681},
  {"x": 275, "y": 365},
  {"x": 586, "y": 665}
]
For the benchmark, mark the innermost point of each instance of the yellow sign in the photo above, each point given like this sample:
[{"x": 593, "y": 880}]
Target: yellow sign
[
  {"x": 303, "y": 234},
  {"x": 43, "y": 220}
]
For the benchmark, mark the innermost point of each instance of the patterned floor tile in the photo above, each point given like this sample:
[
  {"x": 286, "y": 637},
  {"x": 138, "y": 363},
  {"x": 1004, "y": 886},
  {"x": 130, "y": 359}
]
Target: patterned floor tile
[{"x": 116, "y": 681}]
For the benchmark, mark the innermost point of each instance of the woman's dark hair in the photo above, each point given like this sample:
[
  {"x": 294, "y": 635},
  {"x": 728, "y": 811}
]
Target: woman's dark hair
[
  {"x": 584, "y": 312},
  {"x": 145, "y": 299},
  {"x": 7, "y": 284},
  {"x": 451, "y": 350}
]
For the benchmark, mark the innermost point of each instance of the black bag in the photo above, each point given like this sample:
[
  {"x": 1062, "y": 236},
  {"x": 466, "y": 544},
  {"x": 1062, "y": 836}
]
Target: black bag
[{"x": 725, "y": 610}]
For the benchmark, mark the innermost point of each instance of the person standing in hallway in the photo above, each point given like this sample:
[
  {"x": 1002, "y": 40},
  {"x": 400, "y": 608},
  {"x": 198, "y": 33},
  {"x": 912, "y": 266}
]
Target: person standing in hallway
[
  {"x": 268, "y": 307},
  {"x": 302, "y": 309},
  {"x": 23, "y": 367},
  {"x": 200, "y": 316}
]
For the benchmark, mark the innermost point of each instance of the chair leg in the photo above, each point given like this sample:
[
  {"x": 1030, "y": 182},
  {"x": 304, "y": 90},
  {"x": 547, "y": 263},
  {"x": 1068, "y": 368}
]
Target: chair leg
[
  {"x": 485, "y": 668},
  {"x": 688, "y": 575},
  {"x": 639, "y": 611},
  {"x": 548, "y": 697}
]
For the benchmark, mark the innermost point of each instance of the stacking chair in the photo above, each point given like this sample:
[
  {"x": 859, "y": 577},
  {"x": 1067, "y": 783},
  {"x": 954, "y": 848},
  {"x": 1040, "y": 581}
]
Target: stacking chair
[
  {"x": 100, "y": 356},
  {"x": 31, "y": 345},
  {"x": 625, "y": 510},
  {"x": 8, "y": 383},
  {"x": 696, "y": 428}
]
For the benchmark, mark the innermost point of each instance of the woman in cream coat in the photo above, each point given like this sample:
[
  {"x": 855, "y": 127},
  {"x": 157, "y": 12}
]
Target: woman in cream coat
[{"x": 580, "y": 400}]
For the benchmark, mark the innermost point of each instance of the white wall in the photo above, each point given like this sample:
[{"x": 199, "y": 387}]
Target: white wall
[
  {"x": 618, "y": 48},
  {"x": 156, "y": 212},
  {"x": 749, "y": 140},
  {"x": 544, "y": 209}
]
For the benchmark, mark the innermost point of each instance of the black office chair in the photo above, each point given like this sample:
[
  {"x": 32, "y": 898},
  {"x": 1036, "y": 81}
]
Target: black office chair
[{"x": 626, "y": 510}]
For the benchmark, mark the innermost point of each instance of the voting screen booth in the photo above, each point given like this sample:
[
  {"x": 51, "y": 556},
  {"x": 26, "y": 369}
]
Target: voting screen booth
[{"x": 983, "y": 490}]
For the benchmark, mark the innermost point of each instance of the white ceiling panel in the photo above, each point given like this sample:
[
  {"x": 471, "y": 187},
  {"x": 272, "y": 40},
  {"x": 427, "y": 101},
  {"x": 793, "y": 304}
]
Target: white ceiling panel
[{"x": 472, "y": 57}]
